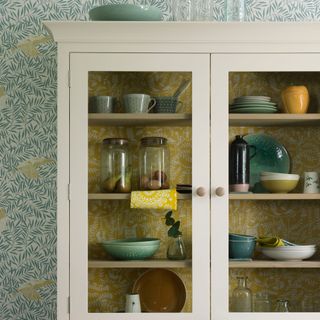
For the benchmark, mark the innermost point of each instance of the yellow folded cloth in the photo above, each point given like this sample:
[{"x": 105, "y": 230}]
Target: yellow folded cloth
[
  {"x": 270, "y": 242},
  {"x": 157, "y": 199}
]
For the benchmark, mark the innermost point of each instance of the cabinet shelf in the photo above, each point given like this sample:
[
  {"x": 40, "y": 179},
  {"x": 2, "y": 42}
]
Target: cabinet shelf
[
  {"x": 156, "y": 263},
  {"x": 140, "y": 119},
  {"x": 274, "y": 120},
  {"x": 274, "y": 264},
  {"x": 274, "y": 196},
  {"x": 126, "y": 196}
]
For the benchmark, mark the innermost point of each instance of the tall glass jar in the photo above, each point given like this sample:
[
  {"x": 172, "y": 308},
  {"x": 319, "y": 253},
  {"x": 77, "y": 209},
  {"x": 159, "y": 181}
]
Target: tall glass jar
[
  {"x": 115, "y": 166},
  {"x": 242, "y": 297},
  {"x": 154, "y": 163}
]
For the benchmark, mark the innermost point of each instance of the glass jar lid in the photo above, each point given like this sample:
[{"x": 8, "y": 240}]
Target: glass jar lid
[
  {"x": 116, "y": 141},
  {"x": 152, "y": 141}
]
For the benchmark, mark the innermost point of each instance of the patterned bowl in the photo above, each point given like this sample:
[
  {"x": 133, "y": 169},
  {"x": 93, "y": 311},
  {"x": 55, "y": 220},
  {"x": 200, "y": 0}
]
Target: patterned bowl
[{"x": 131, "y": 249}]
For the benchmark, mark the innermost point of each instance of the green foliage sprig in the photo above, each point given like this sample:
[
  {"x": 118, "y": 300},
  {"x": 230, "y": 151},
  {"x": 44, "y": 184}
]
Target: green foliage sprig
[{"x": 173, "y": 231}]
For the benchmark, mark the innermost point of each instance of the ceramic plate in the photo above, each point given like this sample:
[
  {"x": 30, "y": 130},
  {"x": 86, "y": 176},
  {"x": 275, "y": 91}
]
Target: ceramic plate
[
  {"x": 125, "y": 12},
  {"x": 160, "y": 290},
  {"x": 253, "y": 104},
  {"x": 253, "y": 97},
  {"x": 254, "y": 110},
  {"x": 270, "y": 156}
]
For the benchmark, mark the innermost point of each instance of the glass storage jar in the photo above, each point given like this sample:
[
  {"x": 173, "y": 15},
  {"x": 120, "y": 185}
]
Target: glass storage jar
[
  {"x": 154, "y": 163},
  {"x": 115, "y": 165}
]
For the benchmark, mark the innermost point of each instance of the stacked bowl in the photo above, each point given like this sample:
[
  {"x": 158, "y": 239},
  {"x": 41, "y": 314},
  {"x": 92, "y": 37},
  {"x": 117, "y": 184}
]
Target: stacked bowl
[
  {"x": 279, "y": 182},
  {"x": 253, "y": 104},
  {"x": 287, "y": 253},
  {"x": 241, "y": 247}
]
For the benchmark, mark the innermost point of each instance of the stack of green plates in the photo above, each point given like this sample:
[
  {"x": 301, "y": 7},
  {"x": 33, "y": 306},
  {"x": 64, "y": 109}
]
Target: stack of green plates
[{"x": 253, "y": 104}]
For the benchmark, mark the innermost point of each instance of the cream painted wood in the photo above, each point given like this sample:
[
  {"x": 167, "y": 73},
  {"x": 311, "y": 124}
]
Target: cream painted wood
[
  {"x": 80, "y": 65},
  {"x": 274, "y": 120},
  {"x": 221, "y": 65},
  {"x": 156, "y": 263},
  {"x": 217, "y": 37},
  {"x": 63, "y": 186},
  {"x": 274, "y": 264},
  {"x": 126, "y": 196},
  {"x": 275, "y": 196},
  {"x": 140, "y": 120},
  {"x": 291, "y": 46}
]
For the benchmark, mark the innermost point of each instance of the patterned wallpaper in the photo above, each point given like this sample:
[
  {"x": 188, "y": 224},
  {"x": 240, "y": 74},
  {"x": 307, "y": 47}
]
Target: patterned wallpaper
[{"x": 28, "y": 141}]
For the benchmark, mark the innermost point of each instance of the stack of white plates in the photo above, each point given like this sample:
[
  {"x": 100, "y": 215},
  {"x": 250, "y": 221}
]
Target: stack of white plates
[
  {"x": 286, "y": 253},
  {"x": 253, "y": 104}
]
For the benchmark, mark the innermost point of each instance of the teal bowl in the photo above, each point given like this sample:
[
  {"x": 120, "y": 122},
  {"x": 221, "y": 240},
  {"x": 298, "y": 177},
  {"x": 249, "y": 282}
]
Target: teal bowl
[
  {"x": 125, "y": 12},
  {"x": 241, "y": 249},
  {"x": 244, "y": 237},
  {"x": 131, "y": 249}
]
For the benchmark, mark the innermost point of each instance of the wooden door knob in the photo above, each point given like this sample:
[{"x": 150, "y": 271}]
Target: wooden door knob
[
  {"x": 201, "y": 191},
  {"x": 220, "y": 191}
]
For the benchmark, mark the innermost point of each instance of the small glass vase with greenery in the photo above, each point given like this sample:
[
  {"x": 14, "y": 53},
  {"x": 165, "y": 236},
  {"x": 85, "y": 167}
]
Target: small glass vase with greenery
[{"x": 176, "y": 249}]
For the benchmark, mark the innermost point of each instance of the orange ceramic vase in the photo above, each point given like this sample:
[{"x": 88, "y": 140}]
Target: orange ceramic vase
[{"x": 295, "y": 99}]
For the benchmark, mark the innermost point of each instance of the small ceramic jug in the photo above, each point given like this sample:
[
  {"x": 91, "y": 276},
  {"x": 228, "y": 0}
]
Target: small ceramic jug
[
  {"x": 311, "y": 182},
  {"x": 133, "y": 303},
  {"x": 295, "y": 99}
]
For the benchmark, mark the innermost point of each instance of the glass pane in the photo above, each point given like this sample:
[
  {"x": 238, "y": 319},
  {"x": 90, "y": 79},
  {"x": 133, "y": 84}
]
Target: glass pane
[
  {"x": 158, "y": 165},
  {"x": 280, "y": 147}
]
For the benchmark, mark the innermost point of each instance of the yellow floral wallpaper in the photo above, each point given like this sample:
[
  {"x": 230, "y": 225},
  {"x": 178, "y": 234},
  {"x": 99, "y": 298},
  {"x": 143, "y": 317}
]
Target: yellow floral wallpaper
[
  {"x": 296, "y": 221},
  {"x": 114, "y": 219}
]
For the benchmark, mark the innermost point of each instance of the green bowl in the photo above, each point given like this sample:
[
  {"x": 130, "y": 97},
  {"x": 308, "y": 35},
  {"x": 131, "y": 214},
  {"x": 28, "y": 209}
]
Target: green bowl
[
  {"x": 125, "y": 12},
  {"x": 131, "y": 249}
]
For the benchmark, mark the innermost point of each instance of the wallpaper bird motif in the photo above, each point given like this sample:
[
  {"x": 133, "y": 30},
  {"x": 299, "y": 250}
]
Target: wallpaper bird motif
[{"x": 28, "y": 132}]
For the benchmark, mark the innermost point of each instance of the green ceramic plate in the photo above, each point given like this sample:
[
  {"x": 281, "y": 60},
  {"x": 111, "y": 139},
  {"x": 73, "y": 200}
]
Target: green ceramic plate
[
  {"x": 270, "y": 156},
  {"x": 249, "y": 104},
  {"x": 125, "y": 12},
  {"x": 254, "y": 110}
]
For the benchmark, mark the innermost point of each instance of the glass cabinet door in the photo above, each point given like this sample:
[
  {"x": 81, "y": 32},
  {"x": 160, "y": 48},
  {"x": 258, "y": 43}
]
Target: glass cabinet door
[
  {"x": 265, "y": 227},
  {"x": 139, "y": 174}
]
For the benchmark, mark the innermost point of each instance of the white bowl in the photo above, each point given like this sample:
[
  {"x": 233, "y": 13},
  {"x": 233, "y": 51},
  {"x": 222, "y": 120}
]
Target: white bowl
[
  {"x": 280, "y": 176},
  {"x": 287, "y": 255},
  {"x": 294, "y": 248}
]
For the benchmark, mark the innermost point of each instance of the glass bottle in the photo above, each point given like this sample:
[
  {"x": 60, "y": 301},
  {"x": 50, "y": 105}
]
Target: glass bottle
[
  {"x": 242, "y": 296},
  {"x": 203, "y": 10},
  {"x": 262, "y": 302},
  {"x": 282, "y": 306},
  {"x": 235, "y": 10},
  {"x": 115, "y": 166},
  {"x": 176, "y": 249},
  {"x": 154, "y": 164},
  {"x": 182, "y": 10}
]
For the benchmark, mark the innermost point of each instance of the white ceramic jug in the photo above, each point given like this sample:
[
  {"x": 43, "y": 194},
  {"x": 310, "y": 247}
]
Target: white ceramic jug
[{"x": 133, "y": 303}]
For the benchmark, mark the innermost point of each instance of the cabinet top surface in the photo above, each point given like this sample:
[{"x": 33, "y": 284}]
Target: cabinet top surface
[{"x": 206, "y": 34}]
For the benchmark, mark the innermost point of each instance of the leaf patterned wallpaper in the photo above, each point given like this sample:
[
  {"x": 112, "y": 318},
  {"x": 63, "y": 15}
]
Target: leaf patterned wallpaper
[{"x": 28, "y": 140}]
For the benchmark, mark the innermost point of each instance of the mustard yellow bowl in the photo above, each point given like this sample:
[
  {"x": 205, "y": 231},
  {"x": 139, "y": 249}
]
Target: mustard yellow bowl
[{"x": 279, "y": 186}]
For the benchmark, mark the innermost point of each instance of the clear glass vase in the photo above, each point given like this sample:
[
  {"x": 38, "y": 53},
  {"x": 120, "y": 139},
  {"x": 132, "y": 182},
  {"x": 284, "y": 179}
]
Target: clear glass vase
[
  {"x": 282, "y": 306},
  {"x": 176, "y": 249},
  {"x": 242, "y": 297}
]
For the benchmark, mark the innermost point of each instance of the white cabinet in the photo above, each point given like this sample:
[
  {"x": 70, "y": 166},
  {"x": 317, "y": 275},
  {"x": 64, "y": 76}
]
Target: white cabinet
[
  {"x": 262, "y": 214},
  {"x": 222, "y": 61}
]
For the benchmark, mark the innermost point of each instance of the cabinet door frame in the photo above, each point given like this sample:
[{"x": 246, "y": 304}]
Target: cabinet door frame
[
  {"x": 221, "y": 65},
  {"x": 80, "y": 65}
]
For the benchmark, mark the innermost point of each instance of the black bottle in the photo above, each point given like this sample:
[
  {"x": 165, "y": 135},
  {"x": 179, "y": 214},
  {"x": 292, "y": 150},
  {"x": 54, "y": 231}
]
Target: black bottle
[{"x": 239, "y": 165}]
